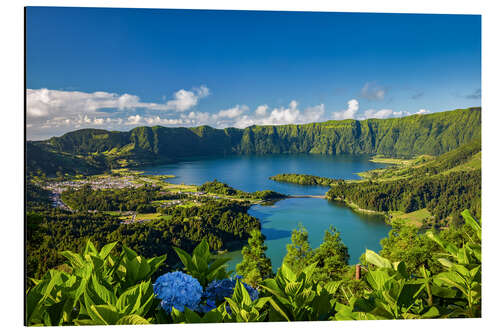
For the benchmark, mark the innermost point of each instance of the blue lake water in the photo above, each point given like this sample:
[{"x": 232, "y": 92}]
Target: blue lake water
[{"x": 251, "y": 173}]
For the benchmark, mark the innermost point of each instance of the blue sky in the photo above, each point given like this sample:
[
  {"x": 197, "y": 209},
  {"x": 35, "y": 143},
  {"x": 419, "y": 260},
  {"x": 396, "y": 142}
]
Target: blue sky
[{"x": 122, "y": 68}]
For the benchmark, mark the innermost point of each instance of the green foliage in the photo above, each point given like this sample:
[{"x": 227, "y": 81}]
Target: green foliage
[
  {"x": 406, "y": 243},
  {"x": 299, "y": 253},
  {"x": 444, "y": 185},
  {"x": 243, "y": 309},
  {"x": 255, "y": 266},
  {"x": 202, "y": 265},
  {"x": 303, "y": 179},
  {"x": 267, "y": 195},
  {"x": 221, "y": 188},
  {"x": 217, "y": 315},
  {"x": 463, "y": 272},
  {"x": 297, "y": 297},
  {"x": 394, "y": 294},
  {"x": 238, "y": 308},
  {"x": 223, "y": 223},
  {"x": 41, "y": 158},
  {"x": 100, "y": 289},
  {"x": 331, "y": 257},
  {"x": 51, "y": 231},
  {"x": 129, "y": 199},
  {"x": 442, "y": 195}
]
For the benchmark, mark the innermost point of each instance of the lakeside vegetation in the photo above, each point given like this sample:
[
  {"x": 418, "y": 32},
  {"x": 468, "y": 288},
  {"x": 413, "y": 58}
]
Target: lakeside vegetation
[
  {"x": 438, "y": 187},
  {"x": 90, "y": 151},
  {"x": 216, "y": 187},
  {"x": 302, "y": 179},
  {"x": 109, "y": 287}
]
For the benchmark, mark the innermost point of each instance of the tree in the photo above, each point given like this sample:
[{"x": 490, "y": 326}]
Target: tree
[
  {"x": 255, "y": 266},
  {"x": 331, "y": 257},
  {"x": 406, "y": 243},
  {"x": 299, "y": 253}
]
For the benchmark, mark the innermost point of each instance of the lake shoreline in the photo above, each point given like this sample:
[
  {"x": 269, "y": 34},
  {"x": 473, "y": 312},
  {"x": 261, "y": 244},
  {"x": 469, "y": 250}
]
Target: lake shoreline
[{"x": 279, "y": 218}]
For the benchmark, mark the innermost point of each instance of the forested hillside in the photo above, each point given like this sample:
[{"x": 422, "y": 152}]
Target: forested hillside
[
  {"x": 444, "y": 185},
  {"x": 225, "y": 224},
  {"x": 432, "y": 134}
]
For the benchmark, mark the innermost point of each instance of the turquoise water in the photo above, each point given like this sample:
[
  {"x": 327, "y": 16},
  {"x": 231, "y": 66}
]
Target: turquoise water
[{"x": 251, "y": 173}]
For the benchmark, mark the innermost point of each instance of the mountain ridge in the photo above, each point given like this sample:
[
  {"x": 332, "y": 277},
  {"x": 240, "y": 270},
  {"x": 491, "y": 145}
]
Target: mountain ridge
[{"x": 432, "y": 134}]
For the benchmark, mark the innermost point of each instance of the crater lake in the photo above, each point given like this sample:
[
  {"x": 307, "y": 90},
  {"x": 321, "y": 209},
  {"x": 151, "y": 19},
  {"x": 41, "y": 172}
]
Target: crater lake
[{"x": 251, "y": 173}]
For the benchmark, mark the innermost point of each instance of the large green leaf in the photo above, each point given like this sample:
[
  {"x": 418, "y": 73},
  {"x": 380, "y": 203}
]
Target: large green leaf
[
  {"x": 471, "y": 221},
  {"x": 75, "y": 260},
  {"x": 106, "y": 250},
  {"x": 202, "y": 250},
  {"x": 278, "y": 309},
  {"x": 184, "y": 257},
  {"x": 130, "y": 300},
  {"x": 374, "y": 259},
  {"x": 287, "y": 272},
  {"x": 104, "y": 314},
  {"x": 132, "y": 319}
]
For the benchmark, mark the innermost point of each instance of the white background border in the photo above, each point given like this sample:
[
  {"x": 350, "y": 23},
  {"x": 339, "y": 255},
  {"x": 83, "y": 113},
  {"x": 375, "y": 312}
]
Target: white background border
[{"x": 12, "y": 127}]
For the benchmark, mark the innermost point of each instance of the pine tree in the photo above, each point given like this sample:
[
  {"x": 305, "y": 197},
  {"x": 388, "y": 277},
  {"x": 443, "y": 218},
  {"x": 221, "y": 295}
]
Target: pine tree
[
  {"x": 331, "y": 257},
  {"x": 299, "y": 253},
  {"x": 255, "y": 266}
]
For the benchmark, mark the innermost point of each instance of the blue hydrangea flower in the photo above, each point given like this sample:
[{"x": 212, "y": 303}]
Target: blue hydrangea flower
[
  {"x": 209, "y": 306},
  {"x": 178, "y": 290},
  {"x": 217, "y": 290}
]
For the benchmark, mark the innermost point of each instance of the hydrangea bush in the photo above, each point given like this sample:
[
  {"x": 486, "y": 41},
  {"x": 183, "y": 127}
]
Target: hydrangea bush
[
  {"x": 178, "y": 290},
  {"x": 218, "y": 290}
]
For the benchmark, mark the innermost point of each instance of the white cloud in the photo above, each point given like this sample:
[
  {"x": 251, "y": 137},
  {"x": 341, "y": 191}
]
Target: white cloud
[
  {"x": 372, "y": 91},
  {"x": 134, "y": 120},
  {"x": 261, "y": 110},
  {"x": 54, "y": 112},
  {"x": 383, "y": 113},
  {"x": 422, "y": 111},
  {"x": 350, "y": 113},
  {"x": 45, "y": 103},
  {"x": 233, "y": 112},
  {"x": 387, "y": 113},
  {"x": 282, "y": 115},
  {"x": 185, "y": 100},
  {"x": 152, "y": 121}
]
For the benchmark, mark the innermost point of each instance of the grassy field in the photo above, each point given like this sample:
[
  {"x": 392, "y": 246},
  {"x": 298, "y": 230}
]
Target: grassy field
[
  {"x": 386, "y": 160},
  {"x": 416, "y": 218},
  {"x": 113, "y": 213},
  {"x": 189, "y": 204},
  {"x": 400, "y": 168},
  {"x": 179, "y": 187},
  {"x": 473, "y": 164},
  {"x": 141, "y": 217}
]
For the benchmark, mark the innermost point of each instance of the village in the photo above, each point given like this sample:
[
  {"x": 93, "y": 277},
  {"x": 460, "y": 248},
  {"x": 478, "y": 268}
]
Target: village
[{"x": 189, "y": 195}]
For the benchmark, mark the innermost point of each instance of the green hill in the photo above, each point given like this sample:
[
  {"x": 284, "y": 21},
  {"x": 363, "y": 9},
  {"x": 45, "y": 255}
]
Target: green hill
[
  {"x": 442, "y": 186},
  {"x": 41, "y": 159},
  {"x": 432, "y": 134}
]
